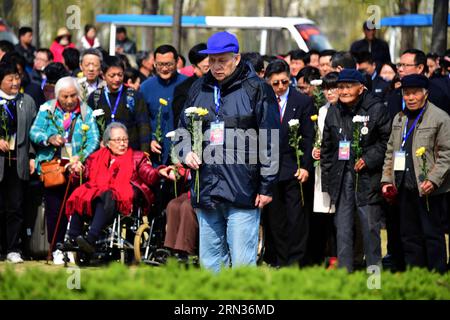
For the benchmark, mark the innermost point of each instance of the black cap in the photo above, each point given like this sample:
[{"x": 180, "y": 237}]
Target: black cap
[{"x": 415, "y": 81}]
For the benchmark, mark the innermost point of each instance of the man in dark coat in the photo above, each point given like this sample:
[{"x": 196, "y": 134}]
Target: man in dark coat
[
  {"x": 379, "y": 48},
  {"x": 286, "y": 219},
  {"x": 235, "y": 178},
  {"x": 353, "y": 147}
]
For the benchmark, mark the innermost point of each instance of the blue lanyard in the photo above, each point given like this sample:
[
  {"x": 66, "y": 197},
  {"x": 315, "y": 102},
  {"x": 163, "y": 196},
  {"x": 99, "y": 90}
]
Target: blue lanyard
[
  {"x": 5, "y": 106},
  {"x": 113, "y": 111},
  {"x": 217, "y": 101},
  {"x": 406, "y": 135},
  {"x": 403, "y": 104}
]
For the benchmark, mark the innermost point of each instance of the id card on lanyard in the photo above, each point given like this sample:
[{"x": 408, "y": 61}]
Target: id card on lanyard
[
  {"x": 12, "y": 138},
  {"x": 116, "y": 104},
  {"x": 400, "y": 156},
  {"x": 217, "y": 128}
]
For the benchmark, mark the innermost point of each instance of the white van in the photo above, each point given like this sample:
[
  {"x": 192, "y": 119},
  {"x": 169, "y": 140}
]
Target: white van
[{"x": 299, "y": 32}]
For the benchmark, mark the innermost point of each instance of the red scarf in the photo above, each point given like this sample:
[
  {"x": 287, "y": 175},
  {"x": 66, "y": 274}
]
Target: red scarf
[{"x": 104, "y": 176}]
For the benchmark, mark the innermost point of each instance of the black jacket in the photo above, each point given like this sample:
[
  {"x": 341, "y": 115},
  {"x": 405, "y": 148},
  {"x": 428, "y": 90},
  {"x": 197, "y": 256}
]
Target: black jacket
[
  {"x": 379, "y": 49},
  {"x": 180, "y": 94},
  {"x": 246, "y": 103},
  {"x": 380, "y": 87},
  {"x": 299, "y": 106},
  {"x": 374, "y": 146}
]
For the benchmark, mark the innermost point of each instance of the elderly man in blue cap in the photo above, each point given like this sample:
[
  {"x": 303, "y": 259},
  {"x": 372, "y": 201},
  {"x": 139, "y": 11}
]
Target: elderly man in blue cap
[
  {"x": 235, "y": 178},
  {"x": 354, "y": 142},
  {"x": 416, "y": 173}
]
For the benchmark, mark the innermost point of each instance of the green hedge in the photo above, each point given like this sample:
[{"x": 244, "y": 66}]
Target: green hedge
[{"x": 177, "y": 282}]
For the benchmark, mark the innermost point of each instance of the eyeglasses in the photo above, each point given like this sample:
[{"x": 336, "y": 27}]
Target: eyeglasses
[
  {"x": 165, "y": 64},
  {"x": 119, "y": 140},
  {"x": 283, "y": 82},
  {"x": 404, "y": 65}
]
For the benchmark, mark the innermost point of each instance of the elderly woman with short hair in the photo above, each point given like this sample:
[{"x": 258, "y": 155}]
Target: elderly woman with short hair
[
  {"x": 115, "y": 176},
  {"x": 64, "y": 128},
  {"x": 17, "y": 112}
]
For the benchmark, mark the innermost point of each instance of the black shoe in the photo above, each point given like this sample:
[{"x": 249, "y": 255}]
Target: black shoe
[
  {"x": 68, "y": 245},
  {"x": 84, "y": 245}
]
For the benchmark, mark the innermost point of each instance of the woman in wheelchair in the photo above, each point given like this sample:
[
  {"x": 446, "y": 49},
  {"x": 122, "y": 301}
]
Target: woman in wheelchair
[{"x": 115, "y": 174}]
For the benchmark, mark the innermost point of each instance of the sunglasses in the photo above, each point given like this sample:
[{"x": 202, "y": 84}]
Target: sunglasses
[{"x": 283, "y": 82}]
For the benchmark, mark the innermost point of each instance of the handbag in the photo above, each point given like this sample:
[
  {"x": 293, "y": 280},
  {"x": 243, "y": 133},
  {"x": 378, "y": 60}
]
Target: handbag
[
  {"x": 52, "y": 173},
  {"x": 38, "y": 243}
]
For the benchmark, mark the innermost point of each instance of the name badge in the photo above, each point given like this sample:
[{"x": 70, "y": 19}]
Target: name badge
[
  {"x": 217, "y": 132},
  {"x": 344, "y": 150},
  {"x": 66, "y": 151},
  {"x": 399, "y": 160},
  {"x": 12, "y": 142}
]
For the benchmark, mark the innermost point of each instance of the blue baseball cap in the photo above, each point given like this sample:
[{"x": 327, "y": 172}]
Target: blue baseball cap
[
  {"x": 351, "y": 75},
  {"x": 221, "y": 42}
]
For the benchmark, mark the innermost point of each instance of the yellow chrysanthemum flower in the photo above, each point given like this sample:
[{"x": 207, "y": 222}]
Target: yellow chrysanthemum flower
[
  {"x": 84, "y": 127},
  {"x": 420, "y": 152},
  {"x": 202, "y": 112},
  {"x": 314, "y": 117},
  {"x": 163, "y": 101}
]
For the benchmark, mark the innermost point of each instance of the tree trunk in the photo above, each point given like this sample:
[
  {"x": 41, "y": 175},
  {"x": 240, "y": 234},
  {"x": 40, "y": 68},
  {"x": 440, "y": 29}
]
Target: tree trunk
[
  {"x": 8, "y": 6},
  {"x": 150, "y": 7},
  {"x": 268, "y": 12},
  {"x": 36, "y": 18},
  {"x": 440, "y": 21},
  {"x": 176, "y": 28},
  {"x": 408, "y": 7}
]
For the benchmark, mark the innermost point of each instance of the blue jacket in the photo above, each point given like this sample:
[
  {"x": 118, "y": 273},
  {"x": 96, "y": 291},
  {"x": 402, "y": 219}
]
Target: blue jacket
[
  {"x": 246, "y": 103},
  {"x": 43, "y": 128},
  {"x": 153, "y": 89}
]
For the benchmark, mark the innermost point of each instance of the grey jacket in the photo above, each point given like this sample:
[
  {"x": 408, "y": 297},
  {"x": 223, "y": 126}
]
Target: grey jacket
[
  {"x": 433, "y": 133},
  {"x": 26, "y": 112}
]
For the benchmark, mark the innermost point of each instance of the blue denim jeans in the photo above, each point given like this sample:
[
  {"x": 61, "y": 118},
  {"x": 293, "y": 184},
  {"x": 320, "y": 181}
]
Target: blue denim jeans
[{"x": 228, "y": 236}]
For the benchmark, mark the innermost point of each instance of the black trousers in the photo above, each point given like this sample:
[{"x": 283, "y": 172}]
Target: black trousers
[
  {"x": 286, "y": 224},
  {"x": 394, "y": 242},
  {"x": 11, "y": 206},
  {"x": 105, "y": 212},
  {"x": 422, "y": 231}
]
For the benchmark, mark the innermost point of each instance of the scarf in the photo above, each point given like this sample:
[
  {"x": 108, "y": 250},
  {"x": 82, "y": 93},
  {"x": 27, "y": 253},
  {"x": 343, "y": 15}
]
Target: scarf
[
  {"x": 68, "y": 116},
  {"x": 106, "y": 172},
  {"x": 5, "y": 96}
]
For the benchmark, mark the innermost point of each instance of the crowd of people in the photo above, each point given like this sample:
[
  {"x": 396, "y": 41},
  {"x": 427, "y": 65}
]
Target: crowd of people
[{"x": 348, "y": 143}]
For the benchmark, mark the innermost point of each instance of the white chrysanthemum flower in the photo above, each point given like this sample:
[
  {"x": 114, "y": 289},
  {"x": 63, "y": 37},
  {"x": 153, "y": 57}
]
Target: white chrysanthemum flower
[
  {"x": 171, "y": 134},
  {"x": 293, "y": 122},
  {"x": 45, "y": 107},
  {"x": 316, "y": 83},
  {"x": 98, "y": 112},
  {"x": 190, "y": 110},
  {"x": 2, "y": 102}
]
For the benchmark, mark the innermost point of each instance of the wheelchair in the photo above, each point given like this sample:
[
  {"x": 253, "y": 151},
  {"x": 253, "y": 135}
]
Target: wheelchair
[{"x": 117, "y": 240}]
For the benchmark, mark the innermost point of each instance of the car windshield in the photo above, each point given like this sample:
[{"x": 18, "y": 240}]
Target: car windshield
[{"x": 314, "y": 39}]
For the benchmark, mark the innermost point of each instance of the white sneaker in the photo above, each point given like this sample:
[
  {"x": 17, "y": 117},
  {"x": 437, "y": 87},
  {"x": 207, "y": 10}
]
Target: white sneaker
[
  {"x": 14, "y": 257},
  {"x": 58, "y": 257}
]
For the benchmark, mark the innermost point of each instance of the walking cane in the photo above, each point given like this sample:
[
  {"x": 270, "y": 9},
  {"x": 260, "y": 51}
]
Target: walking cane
[{"x": 50, "y": 249}]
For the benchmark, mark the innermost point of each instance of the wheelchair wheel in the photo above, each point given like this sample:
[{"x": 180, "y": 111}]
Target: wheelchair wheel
[
  {"x": 141, "y": 242},
  {"x": 81, "y": 259}
]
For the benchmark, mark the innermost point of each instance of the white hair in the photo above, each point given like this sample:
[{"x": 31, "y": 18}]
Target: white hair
[{"x": 64, "y": 83}]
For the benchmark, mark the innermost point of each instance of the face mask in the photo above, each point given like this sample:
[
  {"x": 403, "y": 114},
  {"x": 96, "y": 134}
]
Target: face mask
[{"x": 64, "y": 41}]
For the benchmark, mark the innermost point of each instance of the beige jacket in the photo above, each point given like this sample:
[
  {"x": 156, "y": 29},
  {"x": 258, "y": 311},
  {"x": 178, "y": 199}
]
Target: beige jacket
[{"x": 433, "y": 133}]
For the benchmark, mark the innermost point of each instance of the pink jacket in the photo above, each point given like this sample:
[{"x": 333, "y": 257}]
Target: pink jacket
[{"x": 58, "y": 49}]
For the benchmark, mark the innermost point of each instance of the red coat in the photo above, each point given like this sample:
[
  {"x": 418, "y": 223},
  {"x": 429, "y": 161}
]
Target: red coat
[
  {"x": 58, "y": 49},
  {"x": 144, "y": 175}
]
